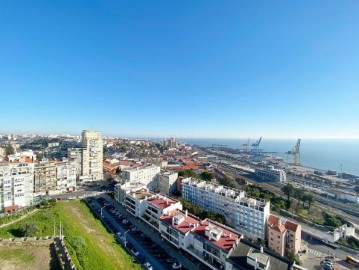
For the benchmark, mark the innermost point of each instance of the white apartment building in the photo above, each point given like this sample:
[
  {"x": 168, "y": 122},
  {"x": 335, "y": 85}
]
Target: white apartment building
[
  {"x": 246, "y": 214},
  {"x": 92, "y": 156},
  {"x": 16, "y": 185},
  {"x": 271, "y": 175},
  {"x": 146, "y": 175},
  {"x": 167, "y": 182}
]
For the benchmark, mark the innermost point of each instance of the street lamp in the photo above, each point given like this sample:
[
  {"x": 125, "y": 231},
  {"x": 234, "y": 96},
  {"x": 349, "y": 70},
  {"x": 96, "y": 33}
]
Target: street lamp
[
  {"x": 101, "y": 211},
  {"x": 124, "y": 236}
]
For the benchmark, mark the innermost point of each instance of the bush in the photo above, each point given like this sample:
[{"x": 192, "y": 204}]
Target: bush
[{"x": 28, "y": 229}]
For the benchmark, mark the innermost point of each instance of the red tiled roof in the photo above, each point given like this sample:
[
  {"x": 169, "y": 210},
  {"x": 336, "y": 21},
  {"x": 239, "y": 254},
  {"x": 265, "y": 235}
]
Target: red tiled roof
[
  {"x": 161, "y": 201},
  {"x": 279, "y": 228},
  {"x": 225, "y": 242},
  {"x": 291, "y": 226},
  {"x": 272, "y": 219},
  {"x": 184, "y": 226}
]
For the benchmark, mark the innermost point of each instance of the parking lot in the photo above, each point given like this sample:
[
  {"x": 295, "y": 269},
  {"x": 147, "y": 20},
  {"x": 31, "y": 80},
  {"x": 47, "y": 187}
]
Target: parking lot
[{"x": 135, "y": 238}]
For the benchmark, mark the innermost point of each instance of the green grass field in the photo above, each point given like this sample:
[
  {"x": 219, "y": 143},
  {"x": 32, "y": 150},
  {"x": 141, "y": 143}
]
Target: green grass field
[{"x": 89, "y": 244}]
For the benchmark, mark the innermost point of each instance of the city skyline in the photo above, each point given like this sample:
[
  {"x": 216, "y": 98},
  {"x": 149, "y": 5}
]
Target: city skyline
[{"x": 184, "y": 70}]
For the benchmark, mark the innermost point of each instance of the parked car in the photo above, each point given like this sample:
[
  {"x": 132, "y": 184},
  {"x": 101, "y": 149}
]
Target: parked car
[
  {"x": 148, "y": 266},
  {"x": 125, "y": 221},
  {"x": 171, "y": 260},
  {"x": 135, "y": 252},
  {"x": 176, "y": 265}
]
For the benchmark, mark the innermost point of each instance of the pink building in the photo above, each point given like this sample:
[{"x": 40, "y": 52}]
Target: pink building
[{"x": 283, "y": 235}]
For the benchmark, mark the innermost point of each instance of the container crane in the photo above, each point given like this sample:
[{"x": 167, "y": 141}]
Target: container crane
[
  {"x": 246, "y": 145},
  {"x": 295, "y": 153},
  {"x": 255, "y": 146}
]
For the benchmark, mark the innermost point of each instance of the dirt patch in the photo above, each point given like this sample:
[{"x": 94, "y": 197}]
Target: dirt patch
[{"x": 28, "y": 257}]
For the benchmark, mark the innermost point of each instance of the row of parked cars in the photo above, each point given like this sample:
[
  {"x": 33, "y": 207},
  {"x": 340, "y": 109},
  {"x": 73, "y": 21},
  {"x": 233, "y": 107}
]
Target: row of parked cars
[{"x": 141, "y": 237}]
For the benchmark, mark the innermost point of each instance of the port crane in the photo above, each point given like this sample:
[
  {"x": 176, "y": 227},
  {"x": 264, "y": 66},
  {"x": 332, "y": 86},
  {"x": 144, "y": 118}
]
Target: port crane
[
  {"x": 255, "y": 146},
  {"x": 295, "y": 153},
  {"x": 246, "y": 145}
]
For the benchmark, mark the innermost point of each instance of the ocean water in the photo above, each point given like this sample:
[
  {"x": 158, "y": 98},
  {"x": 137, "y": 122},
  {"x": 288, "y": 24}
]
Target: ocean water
[{"x": 325, "y": 154}]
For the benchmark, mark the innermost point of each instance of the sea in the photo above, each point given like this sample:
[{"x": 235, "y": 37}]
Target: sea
[{"x": 341, "y": 155}]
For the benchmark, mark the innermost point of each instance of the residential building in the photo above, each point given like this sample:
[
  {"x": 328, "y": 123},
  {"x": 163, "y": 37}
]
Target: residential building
[
  {"x": 248, "y": 256},
  {"x": 16, "y": 185},
  {"x": 211, "y": 243},
  {"x": 283, "y": 235},
  {"x": 146, "y": 175},
  {"x": 92, "y": 157},
  {"x": 246, "y": 214},
  {"x": 170, "y": 143},
  {"x": 271, "y": 174},
  {"x": 167, "y": 182},
  {"x": 54, "y": 176}
]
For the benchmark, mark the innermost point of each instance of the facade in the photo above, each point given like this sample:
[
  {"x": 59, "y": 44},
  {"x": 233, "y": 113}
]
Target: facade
[
  {"x": 207, "y": 240},
  {"x": 246, "y": 214},
  {"x": 146, "y": 175},
  {"x": 167, "y": 182},
  {"x": 75, "y": 154},
  {"x": 247, "y": 256},
  {"x": 170, "y": 143},
  {"x": 271, "y": 175},
  {"x": 16, "y": 185},
  {"x": 92, "y": 156},
  {"x": 54, "y": 177},
  {"x": 212, "y": 242},
  {"x": 283, "y": 235}
]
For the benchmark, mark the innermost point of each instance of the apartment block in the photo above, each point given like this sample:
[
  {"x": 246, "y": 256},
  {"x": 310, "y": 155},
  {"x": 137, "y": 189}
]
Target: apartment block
[
  {"x": 246, "y": 214},
  {"x": 167, "y": 182},
  {"x": 207, "y": 240},
  {"x": 146, "y": 175},
  {"x": 16, "y": 185},
  {"x": 53, "y": 176},
  {"x": 212, "y": 242},
  {"x": 283, "y": 235},
  {"x": 92, "y": 156},
  {"x": 271, "y": 174}
]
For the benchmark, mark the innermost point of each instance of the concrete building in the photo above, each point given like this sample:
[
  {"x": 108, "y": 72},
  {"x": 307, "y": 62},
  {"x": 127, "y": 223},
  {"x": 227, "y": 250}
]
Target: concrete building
[
  {"x": 341, "y": 195},
  {"x": 16, "y": 185},
  {"x": 207, "y": 240},
  {"x": 167, "y": 182},
  {"x": 92, "y": 157},
  {"x": 247, "y": 255},
  {"x": 212, "y": 242},
  {"x": 283, "y": 235},
  {"x": 170, "y": 143},
  {"x": 246, "y": 214},
  {"x": 271, "y": 175},
  {"x": 146, "y": 175},
  {"x": 52, "y": 177}
]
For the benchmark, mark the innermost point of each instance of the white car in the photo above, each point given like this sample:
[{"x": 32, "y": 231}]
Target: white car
[
  {"x": 176, "y": 265},
  {"x": 125, "y": 221},
  {"x": 148, "y": 266}
]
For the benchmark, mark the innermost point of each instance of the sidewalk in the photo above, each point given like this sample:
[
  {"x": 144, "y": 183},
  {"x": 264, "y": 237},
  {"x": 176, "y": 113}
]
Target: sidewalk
[{"x": 24, "y": 216}]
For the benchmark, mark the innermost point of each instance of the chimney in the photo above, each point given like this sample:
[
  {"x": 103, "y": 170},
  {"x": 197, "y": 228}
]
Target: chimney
[
  {"x": 186, "y": 213},
  {"x": 261, "y": 249}
]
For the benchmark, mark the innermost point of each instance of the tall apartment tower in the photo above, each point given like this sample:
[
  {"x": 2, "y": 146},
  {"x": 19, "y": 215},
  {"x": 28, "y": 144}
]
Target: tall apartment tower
[{"x": 92, "y": 155}]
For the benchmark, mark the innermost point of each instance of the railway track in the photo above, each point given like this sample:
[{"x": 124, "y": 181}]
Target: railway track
[{"x": 337, "y": 208}]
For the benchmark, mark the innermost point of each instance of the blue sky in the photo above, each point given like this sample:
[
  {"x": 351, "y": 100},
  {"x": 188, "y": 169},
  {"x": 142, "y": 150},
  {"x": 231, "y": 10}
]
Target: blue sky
[{"x": 235, "y": 69}]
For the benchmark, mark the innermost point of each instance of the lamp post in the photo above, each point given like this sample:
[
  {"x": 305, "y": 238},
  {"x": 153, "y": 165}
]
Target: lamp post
[
  {"x": 124, "y": 236},
  {"x": 101, "y": 211}
]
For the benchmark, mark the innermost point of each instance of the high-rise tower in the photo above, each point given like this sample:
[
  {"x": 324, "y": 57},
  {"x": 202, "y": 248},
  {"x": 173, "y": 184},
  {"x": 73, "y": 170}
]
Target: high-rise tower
[{"x": 92, "y": 155}]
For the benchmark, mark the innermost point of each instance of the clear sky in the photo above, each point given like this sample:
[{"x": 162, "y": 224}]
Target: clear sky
[{"x": 180, "y": 68}]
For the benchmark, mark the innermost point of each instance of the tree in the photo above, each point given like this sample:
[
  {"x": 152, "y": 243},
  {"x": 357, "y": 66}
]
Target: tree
[
  {"x": 293, "y": 257},
  {"x": 206, "y": 176},
  {"x": 188, "y": 173},
  {"x": 310, "y": 200},
  {"x": 288, "y": 190},
  {"x": 29, "y": 229},
  {"x": 9, "y": 150},
  {"x": 118, "y": 170}
]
